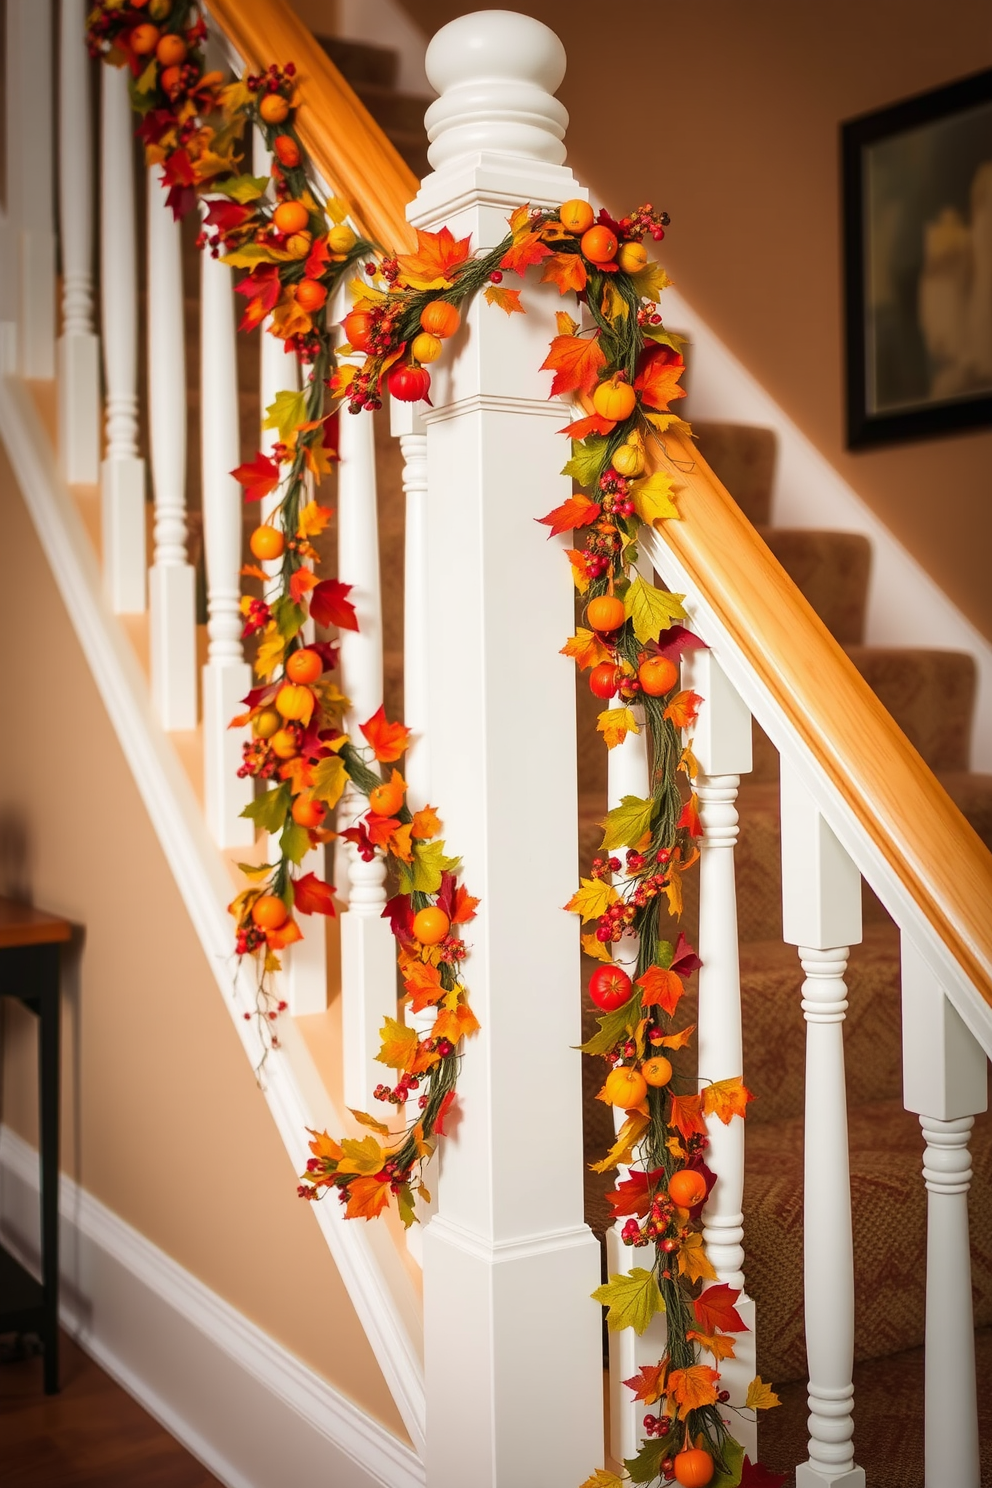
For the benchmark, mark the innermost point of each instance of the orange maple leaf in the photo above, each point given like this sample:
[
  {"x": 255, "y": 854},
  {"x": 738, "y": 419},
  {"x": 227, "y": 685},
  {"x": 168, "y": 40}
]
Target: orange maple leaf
[
  {"x": 576, "y": 363},
  {"x": 675, "y": 1040},
  {"x": 399, "y": 843},
  {"x": 455, "y": 1023},
  {"x": 687, "y": 1115},
  {"x": 567, "y": 271},
  {"x": 718, "y": 1344},
  {"x": 437, "y": 255},
  {"x": 726, "y": 1099},
  {"x": 658, "y": 373},
  {"x": 527, "y": 250},
  {"x": 464, "y": 906},
  {"x": 693, "y": 1387},
  {"x": 300, "y": 583},
  {"x": 259, "y": 476},
  {"x": 577, "y": 511},
  {"x": 325, "y": 1146},
  {"x": 423, "y": 983},
  {"x": 693, "y": 1260},
  {"x": 367, "y": 1197},
  {"x": 715, "y": 1309},
  {"x": 388, "y": 740},
  {"x": 660, "y": 988},
  {"x": 586, "y": 648},
  {"x": 425, "y": 824},
  {"x": 683, "y": 708},
  {"x": 649, "y": 1384},
  {"x": 506, "y": 299},
  {"x": 399, "y": 1045},
  {"x": 288, "y": 933},
  {"x": 689, "y": 817},
  {"x": 593, "y": 423}
]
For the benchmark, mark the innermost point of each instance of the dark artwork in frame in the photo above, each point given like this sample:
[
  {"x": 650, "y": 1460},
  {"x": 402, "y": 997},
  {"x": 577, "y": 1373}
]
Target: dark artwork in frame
[{"x": 917, "y": 196}]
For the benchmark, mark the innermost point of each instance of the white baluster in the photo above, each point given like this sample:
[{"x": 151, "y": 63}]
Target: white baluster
[
  {"x": 368, "y": 959},
  {"x": 172, "y": 580},
  {"x": 79, "y": 348},
  {"x": 123, "y": 472},
  {"x": 226, "y": 676},
  {"x": 945, "y": 1080},
  {"x": 821, "y": 914},
  {"x": 513, "y": 1358},
  {"x": 722, "y": 745},
  {"x": 29, "y": 145}
]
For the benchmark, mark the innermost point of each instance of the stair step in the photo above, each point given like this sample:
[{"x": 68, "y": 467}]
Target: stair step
[
  {"x": 743, "y": 456},
  {"x": 831, "y": 569},
  {"x": 930, "y": 694},
  {"x": 360, "y": 62}
]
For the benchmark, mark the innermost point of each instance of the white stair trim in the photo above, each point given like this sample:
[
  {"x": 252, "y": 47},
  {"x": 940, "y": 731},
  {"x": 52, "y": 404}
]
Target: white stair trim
[
  {"x": 249, "y": 1410},
  {"x": 372, "y": 1268},
  {"x": 905, "y": 606}
]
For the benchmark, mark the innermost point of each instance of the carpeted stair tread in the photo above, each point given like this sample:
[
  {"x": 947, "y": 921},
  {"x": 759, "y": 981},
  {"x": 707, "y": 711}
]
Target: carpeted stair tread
[
  {"x": 888, "y": 1199},
  {"x": 972, "y": 795},
  {"x": 929, "y": 693},
  {"x": 888, "y": 1420},
  {"x": 831, "y": 569},
  {"x": 743, "y": 457},
  {"x": 372, "y": 71},
  {"x": 360, "y": 62}
]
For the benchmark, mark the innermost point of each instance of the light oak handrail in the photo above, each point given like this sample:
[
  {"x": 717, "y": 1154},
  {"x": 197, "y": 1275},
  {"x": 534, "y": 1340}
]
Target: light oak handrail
[
  {"x": 353, "y": 155},
  {"x": 940, "y": 860}
]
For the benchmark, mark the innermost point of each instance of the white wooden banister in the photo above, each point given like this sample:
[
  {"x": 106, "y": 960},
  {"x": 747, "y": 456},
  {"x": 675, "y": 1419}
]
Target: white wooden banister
[
  {"x": 945, "y": 1081},
  {"x": 512, "y": 1344},
  {"x": 821, "y": 915},
  {"x": 226, "y": 676},
  {"x": 123, "y": 471},
  {"x": 172, "y": 581},
  {"x": 78, "y": 347}
]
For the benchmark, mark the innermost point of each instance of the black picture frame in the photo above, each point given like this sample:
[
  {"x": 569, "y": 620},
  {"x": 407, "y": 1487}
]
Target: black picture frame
[{"x": 884, "y": 363}]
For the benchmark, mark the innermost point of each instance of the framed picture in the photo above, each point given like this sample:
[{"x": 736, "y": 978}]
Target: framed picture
[{"x": 917, "y": 196}]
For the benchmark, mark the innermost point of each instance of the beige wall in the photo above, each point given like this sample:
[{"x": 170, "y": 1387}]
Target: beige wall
[
  {"x": 726, "y": 113},
  {"x": 163, "y": 1122}
]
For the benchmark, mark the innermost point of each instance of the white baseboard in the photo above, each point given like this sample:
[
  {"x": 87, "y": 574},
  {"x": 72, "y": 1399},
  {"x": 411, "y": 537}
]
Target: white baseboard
[
  {"x": 249, "y": 1410},
  {"x": 905, "y": 605}
]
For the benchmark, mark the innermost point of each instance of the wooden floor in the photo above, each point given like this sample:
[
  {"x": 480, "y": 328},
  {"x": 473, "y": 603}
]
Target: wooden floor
[{"x": 91, "y": 1435}]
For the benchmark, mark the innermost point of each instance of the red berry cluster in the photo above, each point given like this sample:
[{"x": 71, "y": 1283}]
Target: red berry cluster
[
  {"x": 615, "y": 487},
  {"x": 257, "y": 760},
  {"x": 657, "y": 1425},
  {"x": 656, "y": 1227},
  {"x": 275, "y": 80},
  {"x": 602, "y": 546},
  {"x": 400, "y": 1093},
  {"x": 257, "y": 617},
  {"x": 645, "y": 220},
  {"x": 603, "y": 866},
  {"x": 363, "y": 392}
]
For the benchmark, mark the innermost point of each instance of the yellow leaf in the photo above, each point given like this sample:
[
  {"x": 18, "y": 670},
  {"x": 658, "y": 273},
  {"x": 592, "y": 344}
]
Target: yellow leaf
[
  {"x": 566, "y": 325},
  {"x": 653, "y": 499},
  {"x": 592, "y": 899},
  {"x": 365, "y": 1156},
  {"x": 693, "y": 1260},
  {"x": 688, "y": 762},
  {"x": 337, "y": 211},
  {"x": 319, "y": 462},
  {"x": 602, "y": 1479},
  {"x": 726, "y": 1099},
  {"x": 313, "y": 519},
  {"x": 760, "y": 1396},
  {"x": 255, "y": 870},
  {"x": 632, "y": 1297},
  {"x": 399, "y": 1045},
  {"x": 615, "y": 724},
  {"x": 665, "y": 421},
  {"x": 720, "y": 1345},
  {"x": 364, "y": 1119},
  {"x": 650, "y": 281},
  {"x": 623, "y": 1148},
  {"x": 651, "y": 610},
  {"x": 329, "y": 780},
  {"x": 271, "y": 650},
  {"x": 362, "y": 290},
  {"x": 595, "y": 948}
]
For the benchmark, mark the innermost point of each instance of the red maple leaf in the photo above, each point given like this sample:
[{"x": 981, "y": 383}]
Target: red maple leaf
[
  {"x": 261, "y": 288},
  {"x": 658, "y": 372},
  {"x": 399, "y": 912},
  {"x": 329, "y": 605},
  {"x": 360, "y": 837},
  {"x": 684, "y": 958},
  {"x": 660, "y": 987},
  {"x": 312, "y": 896},
  {"x": 689, "y": 818},
  {"x": 649, "y": 1383},
  {"x": 388, "y": 740},
  {"x": 576, "y": 363},
  {"x": 259, "y": 476},
  {"x": 317, "y": 259},
  {"x": 714, "y": 1309},
  {"x": 757, "y": 1475},
  {"x": 227, "y": 215},
  {"x": 380, "y": 828},
  {"x": 577, "y": 511},
  {"x": 634, "y": 1194},
  {"x": 444, "y": 1110},
  {"x": 674, "y": 641}
]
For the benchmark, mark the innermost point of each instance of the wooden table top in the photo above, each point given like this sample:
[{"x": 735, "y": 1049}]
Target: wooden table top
[{"x": 23, "y": 925}]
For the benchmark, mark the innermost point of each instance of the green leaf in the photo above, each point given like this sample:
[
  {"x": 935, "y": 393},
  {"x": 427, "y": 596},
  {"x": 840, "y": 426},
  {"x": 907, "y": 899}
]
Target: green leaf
[
  {"x": 626, "y": 824},
  {"x": 289, "y": 617},
  {"x": 241, "y": 188},
  {"x": 602, "y": 1479},
  {"x": 294, "y": 843},
  {"x": 650, "y": 281},
  {"x": 587, "y": 459},
  {"x": 329, "y": 779},
  {"x": 666, "y": 338},
  {"x": 405, "y": 1204},
  {"x": 646, "y": 1466},
  {"x": 253, "y": 253},
  {"x": 632, "y": 1299},
  {"x": 268, "y": 811},
  {"x": 614, "y": 1026},
  {"x": 286, "y": 413},
  {"x": 423, "y": 875},
  {"x": 651, "y": 610},
  {"x": 733, "y": 1455}
]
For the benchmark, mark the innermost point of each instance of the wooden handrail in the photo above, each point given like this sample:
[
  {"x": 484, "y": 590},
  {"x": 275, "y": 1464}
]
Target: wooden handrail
[
  {"x": 941, "y": 862},
  {"x": 355, "y": 158}
]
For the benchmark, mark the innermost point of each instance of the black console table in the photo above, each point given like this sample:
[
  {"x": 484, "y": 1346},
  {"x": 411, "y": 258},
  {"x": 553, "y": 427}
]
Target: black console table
[{"x": 30, "y": 952}]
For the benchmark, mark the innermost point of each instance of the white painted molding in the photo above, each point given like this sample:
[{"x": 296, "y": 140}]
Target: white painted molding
[
  {"x": 240, "y": 1402},
  {"x": 373, "y": 1270},
  {"x": 905, "y": 605}
]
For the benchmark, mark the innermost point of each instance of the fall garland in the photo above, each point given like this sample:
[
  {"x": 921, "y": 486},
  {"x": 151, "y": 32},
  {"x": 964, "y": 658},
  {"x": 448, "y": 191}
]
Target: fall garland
[{"x": 623, "y": 370}]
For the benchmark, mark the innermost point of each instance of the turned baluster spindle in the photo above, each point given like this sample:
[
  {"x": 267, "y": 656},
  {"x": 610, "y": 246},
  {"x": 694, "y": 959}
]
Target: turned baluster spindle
[
  {"x": 123, "y": 471},
  {"x": 722, "y": 745},
  {"x": 172, "y": 581},
  {"x": 226, "y": 676},
  {"x": 945, "y": 1081},
  {"x": 821, "y": 915},
  {"x": 78, "y": 348}
]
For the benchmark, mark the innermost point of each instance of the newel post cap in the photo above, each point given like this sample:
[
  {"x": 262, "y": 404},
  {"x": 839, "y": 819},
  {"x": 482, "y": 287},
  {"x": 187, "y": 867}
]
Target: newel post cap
[{"x": 496, "y": 72}]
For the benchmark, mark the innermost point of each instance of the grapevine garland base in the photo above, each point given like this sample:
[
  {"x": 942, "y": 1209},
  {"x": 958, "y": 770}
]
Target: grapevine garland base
[{"x": 623, "y": 369}]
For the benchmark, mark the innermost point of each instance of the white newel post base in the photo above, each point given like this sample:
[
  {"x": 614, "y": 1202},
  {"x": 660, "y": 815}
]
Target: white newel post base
[
  {"x": 172, "y": 622},
  {"x": 123, "y": 512},
  {"x": 79, "y": 408},
  {"x": 226, "y": 796}
]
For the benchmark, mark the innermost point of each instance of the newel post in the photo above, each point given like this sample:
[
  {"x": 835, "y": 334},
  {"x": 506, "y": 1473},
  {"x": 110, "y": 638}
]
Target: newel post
[{"x": 512, "y": 1342}]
